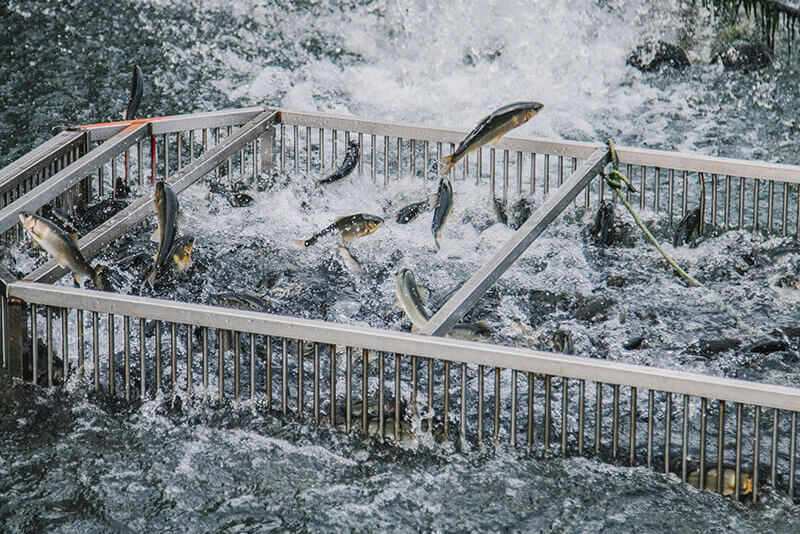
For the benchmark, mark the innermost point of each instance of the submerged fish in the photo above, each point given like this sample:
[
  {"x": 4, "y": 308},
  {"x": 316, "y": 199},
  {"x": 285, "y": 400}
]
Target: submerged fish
[
  {"x": 347, "y": 166},
  {"x": 137, "y": 88},
  {"x": 500, "y": 211},
  {"x": 239, "y": 200},
  {"x": 410, "y": 212},
  {"x": 688, "y": 229},
  {"x": 242, "y": 301},
  {"x": 441, "y": 209},
  {"x": 182, "y": 252},
  {"x": 491, "y": 128},
  {"x": 350, "y": 262},
  {"x": 603, "y": 230},
  {"x": 728, "y": 481},
  {"x": 165, "y": 204},
  {"x": 470, "y": 331},
  {"x": 349, "y": 227},
  {"x": 409, "y": 298},
  {"x": 63, "y": 247}
]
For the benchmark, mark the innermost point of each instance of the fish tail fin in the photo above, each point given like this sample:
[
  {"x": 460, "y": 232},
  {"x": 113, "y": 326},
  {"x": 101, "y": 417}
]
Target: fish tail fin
[
  {"x": 449, "y": 163},
  {"x": 96, "y": 280},
  {"x": 182, "y": 263},
  {"x": 80, "y": 279},
  {"x": 303, "y": 243}
]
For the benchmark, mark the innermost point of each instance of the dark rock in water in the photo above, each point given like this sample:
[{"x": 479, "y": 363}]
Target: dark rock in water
[
  {"x": 710, "y": 347},
  {"x": 500, "y": 211},
  {"x": 744, "y": 55},
  {"x": 121, "y": 188},
  {"x": 603, "y": 230},
  {"x": 239, "y": 200},
  {"x": 634, "y": 343},
  {"x": 767, "y": 346},
  {"x": 688, "y": 229},
  {"x": 652, "y": 55},
  {"x": 562, "y": 342},
  {"x": 792, "y": 332},
  {"x": 595, "y": 309},
  {"x": 616, "y": 281}
]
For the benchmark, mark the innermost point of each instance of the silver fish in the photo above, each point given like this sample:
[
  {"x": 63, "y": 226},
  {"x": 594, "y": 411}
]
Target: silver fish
[
  {"x": 491, "y": 128},
  {"x": 349, "y": 228},
  {"x": 442, "y": 209},
  {"x": 410, "y": 299},
  {"x": 165, "y": 204},
  {"x": 350, "y": 262}
]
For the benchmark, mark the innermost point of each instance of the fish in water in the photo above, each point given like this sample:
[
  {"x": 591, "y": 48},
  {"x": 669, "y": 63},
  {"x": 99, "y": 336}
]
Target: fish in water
[
  {"x": 409, "y": 298},
  {"x": 182, "y": 252},
  {"x": 349, "y": 227},
  {"x": 350, "y": 262},
  {"x": 469, "y": 331},
  {"x": 603, "y": 230},
  {"x": 242, "y": 301},
  {"x": 239, "y": 200},
  {"x": 441, "y": 209},
  {"x": 165, "y": 204},
  {"x": 688, "y": 229},
  {"x": 491, "y": 128},
  {"x": 500, "y": 211},
  {"x": 137, "y": 88},
  {"x": 63, "y": 247},
  {"x": 728, "y": 480},
  {"x": 410, "y": 212},
  {"x": 65, "y": 221},
  {"x": 347, "y": 166}
]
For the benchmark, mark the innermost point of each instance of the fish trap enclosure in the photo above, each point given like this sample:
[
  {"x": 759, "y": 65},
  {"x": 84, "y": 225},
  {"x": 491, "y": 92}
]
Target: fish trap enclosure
[{"x": 376, "y": 381}]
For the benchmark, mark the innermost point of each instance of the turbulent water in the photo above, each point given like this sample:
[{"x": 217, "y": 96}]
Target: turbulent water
[{"x": 70, "y": 465}]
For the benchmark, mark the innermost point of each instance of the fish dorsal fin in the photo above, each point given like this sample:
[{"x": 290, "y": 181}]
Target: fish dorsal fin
[
  {"x": 340, "y": 218},
  {"x": 155, "y": 238},
  {"x": 180, "y": 219},
  {"x": 74, "y": 237}
]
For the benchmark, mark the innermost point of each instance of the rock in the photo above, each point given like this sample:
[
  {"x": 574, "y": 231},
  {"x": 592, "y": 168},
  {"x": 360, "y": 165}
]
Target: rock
[
  {"x": 744, "y": 55},
  {"x": 767, "y": 346},
  {"x": 595, "y": 309},
  {"x": 616, "y": 281},
  {"x": 652, "y": 55},
  {"x": 634, "y": 343}
]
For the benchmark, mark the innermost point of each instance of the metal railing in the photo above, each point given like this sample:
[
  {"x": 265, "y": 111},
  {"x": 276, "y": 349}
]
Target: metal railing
[{"x": 133, "y": 347}]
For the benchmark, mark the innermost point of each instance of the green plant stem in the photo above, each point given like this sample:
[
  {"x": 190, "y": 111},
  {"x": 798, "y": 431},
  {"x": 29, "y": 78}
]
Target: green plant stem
[{"x": 652, "y": 239}]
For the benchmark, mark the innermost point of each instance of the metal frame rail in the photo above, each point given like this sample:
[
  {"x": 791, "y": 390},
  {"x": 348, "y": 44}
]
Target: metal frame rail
[
  {"x": 523, "y": 407},
  {"x": 84, "y": 164}
]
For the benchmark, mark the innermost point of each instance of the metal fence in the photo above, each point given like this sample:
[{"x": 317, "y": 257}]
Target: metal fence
[{"x": 356, "y": 378}]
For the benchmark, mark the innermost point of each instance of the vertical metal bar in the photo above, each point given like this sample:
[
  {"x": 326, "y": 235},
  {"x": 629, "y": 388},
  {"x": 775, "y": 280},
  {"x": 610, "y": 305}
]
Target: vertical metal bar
[
  {"x": 505, "y": 175},
  {"x": 333, "y": 384},
  {"x": 598, "y": 418},
  {"x": 713, "y": 201},
  {"x": 385, "y": 162},
  {"x": 727, "y": 202},
  {"x": 685, "y": 439},
  {"x": 479, "y": 429},
  {"x": 792, "y": 453},
  {"x": 720, "y": 444},
  {"x": 496, "y": 403},
  {"x": 667, "y": 430},
  {"x": 430, "y": 395},
  {"x": 650, "y": 421},
  {"x": 334, "y": 135},
  {"x": 547, "y": 391},
  {"x": 414, "y": 384},
  {"x": 316, "y": 382},
  {"x": 738, "y": 476},
  {"x": 283, "y": 148},
  {"x": 95, "y": 349},
  {"x": 479, "y": 167},
  {"x": 174, "y": 354},
  {"x": 770, "y": 191},
  {"x": 348, "y": 385},
  {"x": 179, "y": 149},
  {"x": 463, "y": 423},
  {"x": 670, "y": 188},
  {"x": 165, "y": 139},
  {"x": 139, "y": 163},
  {"x": 755, "y": 205},
  {"x": 308, "y": 152},
  {"x": 492, "y": 172},
  {"x": 785, "y": 210},
  {"x": 284, "y": 379},
  {"x": 64, "y": 340},
  {"x": 158, "y": 356},
  {"x": 268, "y": 372},
  {"x": 126, "y": 333},
  {"x": 615, "y": 422},
  {"x": 530, "y": 409},
  {"x": 684, "y": 193},
  {"x": 513, "y": 430},
  {"x": 321, "y": 149},
  {"x": 111, "y": 366},
  {"x": 252, "y": 365},
  {"x": 399, "y": 157},
  {"x": 561, "y": 170},
  {"x": 581, "y": 416},
  {"x": 365, "y": 392},
  {"x": 220, "y": 367},
  {"x": 296, "y": 132},
  {"x": 519, "y": 172},
  {"x": 49, "y": 337},
  {"x": 657, "y": 186},
  {"x": 381, "y": 436},
  {"x": 397, "y": 396},
  {"x": 564, "y": 406},
  {"x": 142, "y": 370},
  {"x": 546, "y": 177},
  {"x": 632, "y": 437},
  {"x": 756, "y": 450},
  {"x": 741, "y": 203},
  {"x": 446, "y": 414},
  {"x": 372, "y": 169},
  {"x": 300, "y": 387},
  {"x": 703, "y": 423},
  {"x": 773, "y": 467},
  {"x": 643, "y": 191},
  {"x": 533, "y": 173},
  {"x": 205, "y": 359}
]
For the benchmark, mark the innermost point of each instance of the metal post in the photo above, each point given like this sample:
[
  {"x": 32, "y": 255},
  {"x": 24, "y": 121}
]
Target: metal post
[{"x": 267, "y": 144}]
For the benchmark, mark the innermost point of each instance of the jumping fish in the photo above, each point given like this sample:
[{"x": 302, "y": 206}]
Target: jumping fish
[
  {"x": 242, "y": 301},
  {"x": 409, "y": 298},
  {"x": 63, "y": 247},
  {"x": 442, "y": 209},
  {"x": 410, "y": 212},
  {"x": 691, "y": 226},
  {"x": 165, "y": 204},
  {"x": 347, "y": 166},
  {"x": 349, "y": 227},
  {"x": 182, "y": 252},
  {"x": 350, "y": 262},
  {"x": 728, "y": 481},
  {"x": 491, "y": 128},
  {"x": 137, "y": 88}
]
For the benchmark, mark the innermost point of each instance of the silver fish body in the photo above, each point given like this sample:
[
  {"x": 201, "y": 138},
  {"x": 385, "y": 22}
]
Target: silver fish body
[
  {"x": 349, "y": 261},
  {"x": 167, "y": 209},
  {"x": 349, "y": 227},
  {"x": 408, "y": 298},
  {"x": 442, "y": 209},
  {"x": 491, "y": 128}
]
